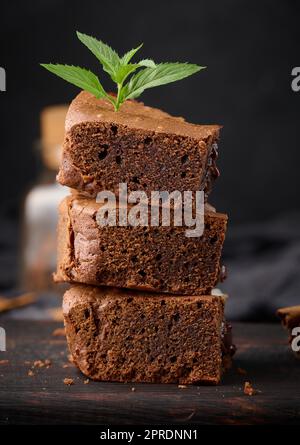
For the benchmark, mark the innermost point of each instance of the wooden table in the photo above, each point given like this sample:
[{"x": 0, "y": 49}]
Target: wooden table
[{"x": 44, "y": 399}]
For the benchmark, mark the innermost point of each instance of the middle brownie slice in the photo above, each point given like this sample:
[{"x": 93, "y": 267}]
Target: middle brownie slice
[{"x": 160, "y": 259}]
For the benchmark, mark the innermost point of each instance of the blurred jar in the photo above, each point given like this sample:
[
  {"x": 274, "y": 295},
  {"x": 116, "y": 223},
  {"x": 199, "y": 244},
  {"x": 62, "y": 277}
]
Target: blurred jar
[{"x": 40, "y": 206}]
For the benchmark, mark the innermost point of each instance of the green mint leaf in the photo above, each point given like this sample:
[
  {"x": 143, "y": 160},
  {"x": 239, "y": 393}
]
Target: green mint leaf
[
  {"x": 80, "y": 77},
  {"x": 160, "y": 75},
  {"x": 104, "y": 53},
  {"x": 128, "y": 56},
  {"x": 148, "y": 63},
  {"x": 119, "y": 68},
  {"x": 124, "y": 71}
]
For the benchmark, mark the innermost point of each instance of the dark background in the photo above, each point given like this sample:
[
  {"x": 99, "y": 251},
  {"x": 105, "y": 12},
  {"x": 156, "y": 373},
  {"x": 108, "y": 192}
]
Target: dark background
[{"x": 249, "y": 47}]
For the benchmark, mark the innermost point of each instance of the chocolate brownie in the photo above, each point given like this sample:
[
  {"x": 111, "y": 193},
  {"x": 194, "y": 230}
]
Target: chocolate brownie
[
  {"x": 130, "y": 336},
  {"x": 142, "y": 146},
  {"x": 160, "y": 259},
  {"x": 290, "y": 318}
]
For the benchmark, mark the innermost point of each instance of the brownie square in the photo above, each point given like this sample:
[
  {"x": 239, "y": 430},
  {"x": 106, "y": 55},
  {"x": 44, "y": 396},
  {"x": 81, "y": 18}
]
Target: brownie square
[
  {"x": 131, "y": 336},
  {"x": 159, "y": 259},
  {"x": 142, "y": 146}
]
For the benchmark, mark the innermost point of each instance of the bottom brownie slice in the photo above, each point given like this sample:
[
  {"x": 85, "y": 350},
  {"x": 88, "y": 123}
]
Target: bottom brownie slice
[{"x": 130, "y": 336}]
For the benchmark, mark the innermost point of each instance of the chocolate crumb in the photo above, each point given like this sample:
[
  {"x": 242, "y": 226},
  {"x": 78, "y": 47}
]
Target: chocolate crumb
[
  {"x": 68, "y": 381},
  {"x": 30, "y": 373},
  {"x": 249, "y": 390},
  {"x": 42, "y": 363},
  {"x": 4, "y": 362},
  {"x": 87, "y": 381},
  {"x": 182, "y": 386}
]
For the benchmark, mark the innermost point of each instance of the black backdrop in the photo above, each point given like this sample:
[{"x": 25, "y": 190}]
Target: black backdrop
[{"x": 249, "y": 47}]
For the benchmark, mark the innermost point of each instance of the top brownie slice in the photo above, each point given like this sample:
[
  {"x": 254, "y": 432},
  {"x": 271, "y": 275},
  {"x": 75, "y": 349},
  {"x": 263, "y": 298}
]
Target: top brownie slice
[{"x": 142, "y": 146}]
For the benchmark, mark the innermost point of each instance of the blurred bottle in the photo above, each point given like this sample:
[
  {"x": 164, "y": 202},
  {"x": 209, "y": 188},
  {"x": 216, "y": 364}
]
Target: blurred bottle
[{"x": 40, "y": 206}]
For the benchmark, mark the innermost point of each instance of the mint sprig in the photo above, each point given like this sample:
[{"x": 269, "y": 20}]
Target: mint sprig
[{"x": 119, "y": 69}]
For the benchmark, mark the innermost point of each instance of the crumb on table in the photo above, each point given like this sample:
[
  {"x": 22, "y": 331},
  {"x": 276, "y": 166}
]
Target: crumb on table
[
  {"x": 42, "y": 363},
  {"x": 68, "y": 381},
  {"x": 249, "y": 390}
]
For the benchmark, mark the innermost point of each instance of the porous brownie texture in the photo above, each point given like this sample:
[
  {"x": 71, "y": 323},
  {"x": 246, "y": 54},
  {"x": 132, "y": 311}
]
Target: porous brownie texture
[
  {"x": 160, "y": 259},
  {"x": 130, "y": 336},
  {"x": 142, "y": 146}
]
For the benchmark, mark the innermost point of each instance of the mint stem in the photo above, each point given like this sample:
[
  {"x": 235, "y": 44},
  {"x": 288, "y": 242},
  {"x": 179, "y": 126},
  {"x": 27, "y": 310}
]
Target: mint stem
[
  {"x": 112, "y": 100},
  {"x": 117, "y": 104}
]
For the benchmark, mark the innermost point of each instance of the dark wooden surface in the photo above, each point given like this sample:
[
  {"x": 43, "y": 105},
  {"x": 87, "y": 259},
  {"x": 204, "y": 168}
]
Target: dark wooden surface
[{"x": 44, "y": 399}]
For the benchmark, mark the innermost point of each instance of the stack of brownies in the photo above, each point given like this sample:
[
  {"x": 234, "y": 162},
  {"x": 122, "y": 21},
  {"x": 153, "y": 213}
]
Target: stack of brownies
[{"x": 142, "y": 306}]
